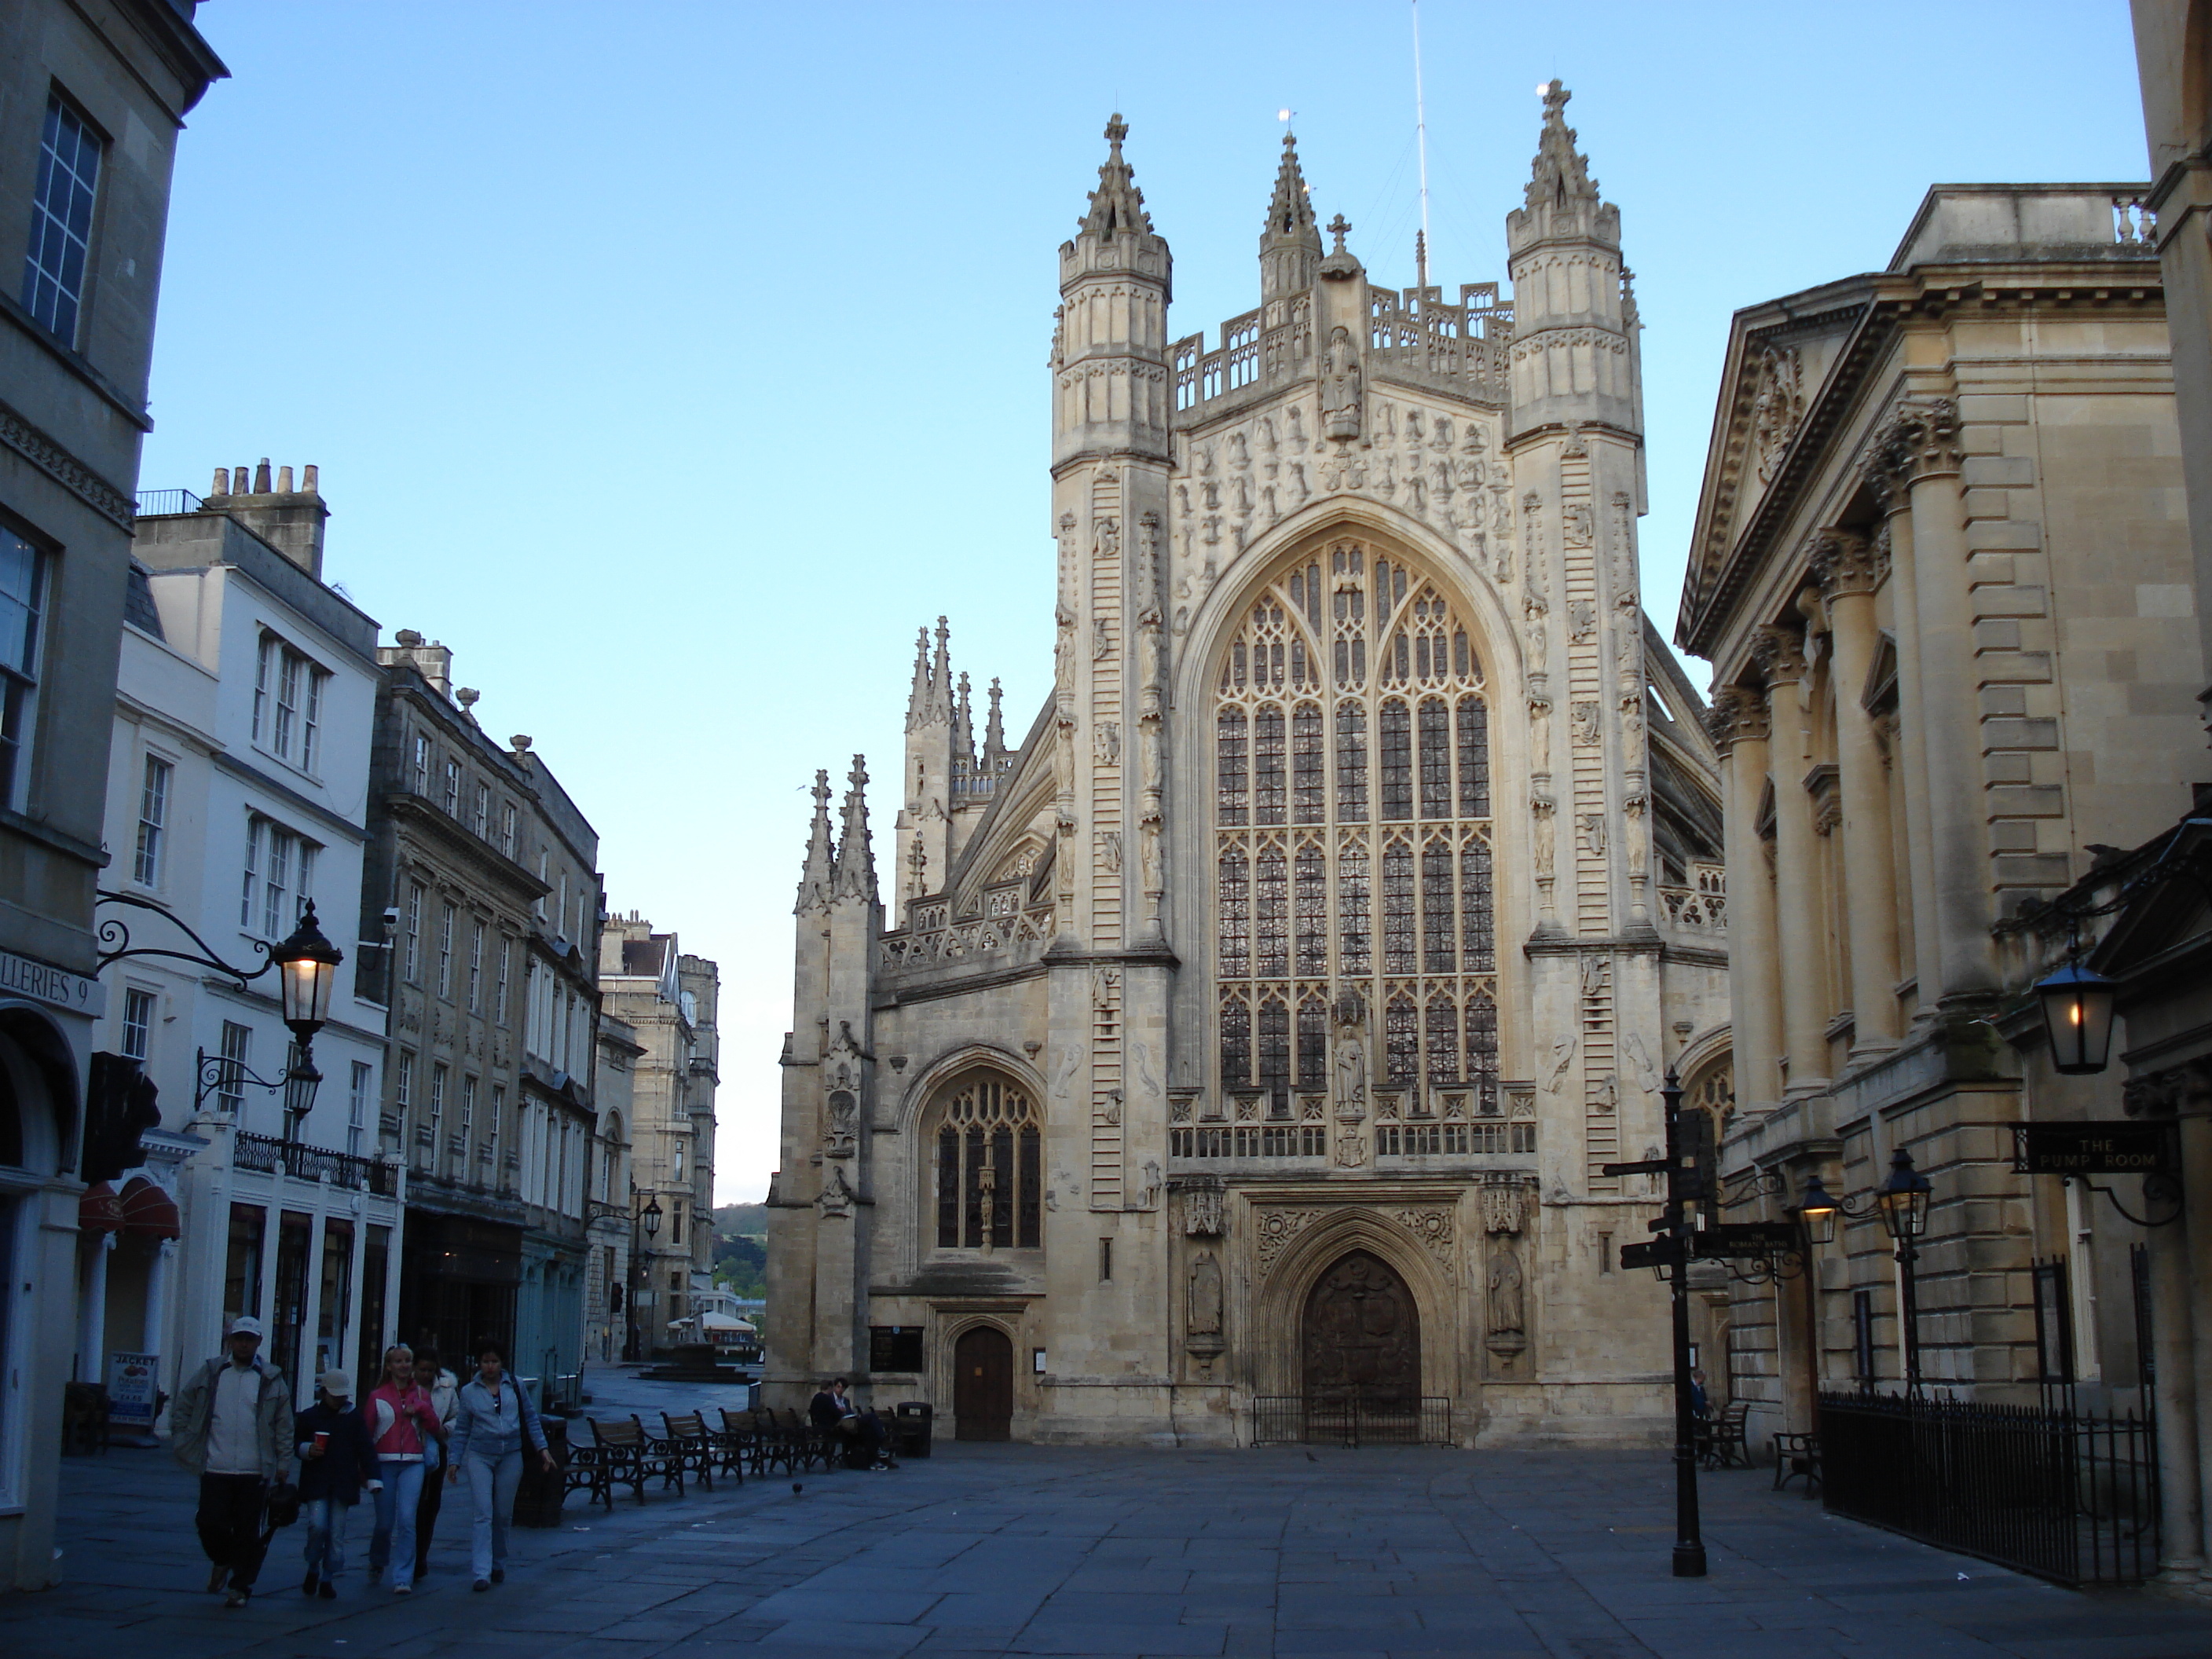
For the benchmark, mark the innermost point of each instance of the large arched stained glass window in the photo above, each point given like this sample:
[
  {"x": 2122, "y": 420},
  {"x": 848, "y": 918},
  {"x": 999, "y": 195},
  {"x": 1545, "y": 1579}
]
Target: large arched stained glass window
[
  {"x": 990, "y": 1167},
  {"x": 1353, "y": 836}
]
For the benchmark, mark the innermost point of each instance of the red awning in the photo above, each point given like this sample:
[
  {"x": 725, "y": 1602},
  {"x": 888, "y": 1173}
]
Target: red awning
[
  {"x": 99, "y": 1211},
  {"x": 147, "y": 1212}
]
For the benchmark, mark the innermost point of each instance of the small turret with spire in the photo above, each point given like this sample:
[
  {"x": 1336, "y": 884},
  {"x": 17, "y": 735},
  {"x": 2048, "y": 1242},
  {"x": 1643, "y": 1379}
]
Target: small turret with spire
[
  {"x": 994, "y": 736},
  {"x": 856, "y": 852},
  {"x": 818, "y": 881},
  {"x": 1290, "y": 243}
]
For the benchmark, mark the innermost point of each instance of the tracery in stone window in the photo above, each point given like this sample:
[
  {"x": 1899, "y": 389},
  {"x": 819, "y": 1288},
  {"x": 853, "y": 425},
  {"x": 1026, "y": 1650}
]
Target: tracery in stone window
[
  {"x": 1397, "y": 757},
  {"x": 1271, "y": 890},
  {"x": 1298, "y": 915},
  {"x": 1268, "y": 765},
  {"x": 990, "y": 1186},
  {"x": 1309, "y": 910},
  {"x": 1308, "y": 786},
  {"x": 1351, "y": 763}
]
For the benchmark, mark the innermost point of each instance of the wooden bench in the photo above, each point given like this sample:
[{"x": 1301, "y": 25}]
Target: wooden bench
[
  {"x": 809, "y": 1445},
  {"x": 685, "y": 1445},
  {"x": 736, "y": 1442},
  {"x": 631, "y": 1457},
  {"x": 1795, "y": 1455},
  {"x": 1721, "y": 1441},
  {"x": 587, "y": 1468}
]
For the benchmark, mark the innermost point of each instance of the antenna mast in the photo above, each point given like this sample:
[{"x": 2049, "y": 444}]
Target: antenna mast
[{"x": 1421, "y": 142}]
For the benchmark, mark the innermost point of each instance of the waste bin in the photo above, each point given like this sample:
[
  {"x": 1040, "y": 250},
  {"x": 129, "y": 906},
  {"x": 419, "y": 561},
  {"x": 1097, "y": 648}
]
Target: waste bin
[
  {"x": 538, "y": 1500},
  {"x": 913, "y": 1419}
]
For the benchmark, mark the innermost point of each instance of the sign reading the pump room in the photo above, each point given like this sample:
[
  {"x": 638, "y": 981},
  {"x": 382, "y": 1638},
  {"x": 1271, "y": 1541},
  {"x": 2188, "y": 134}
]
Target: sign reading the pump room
[{"x": 2081, "y": 1149}]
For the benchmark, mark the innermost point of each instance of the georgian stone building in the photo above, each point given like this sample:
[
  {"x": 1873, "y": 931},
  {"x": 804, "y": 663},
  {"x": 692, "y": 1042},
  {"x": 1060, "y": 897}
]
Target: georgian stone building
[
  {"x": 1941, "y": 567},
  {"x": 481, "y": 884},
  {"x": 92, "y": 100},
  {"x": 669, "y": 1002},
  {"x": 1259, "y": 1023}
]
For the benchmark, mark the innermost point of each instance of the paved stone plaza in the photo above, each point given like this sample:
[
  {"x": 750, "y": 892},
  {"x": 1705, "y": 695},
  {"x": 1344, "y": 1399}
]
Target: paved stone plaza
[{"x": 1026, "y": 1550}]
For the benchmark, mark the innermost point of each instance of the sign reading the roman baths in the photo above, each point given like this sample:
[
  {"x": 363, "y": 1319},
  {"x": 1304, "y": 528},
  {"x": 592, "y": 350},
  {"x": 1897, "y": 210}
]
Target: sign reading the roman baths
[{"x": 2074, "y": 1149}]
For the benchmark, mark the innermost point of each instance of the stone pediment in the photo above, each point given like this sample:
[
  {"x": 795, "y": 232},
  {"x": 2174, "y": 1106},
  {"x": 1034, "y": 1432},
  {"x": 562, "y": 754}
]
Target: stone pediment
[{"x": 1785, "y": 364}]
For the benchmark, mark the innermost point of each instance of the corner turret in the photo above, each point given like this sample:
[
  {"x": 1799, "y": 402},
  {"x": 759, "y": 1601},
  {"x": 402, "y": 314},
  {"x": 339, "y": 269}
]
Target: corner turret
[
  {"x": 1290, "y": 243},
  {"x": 1110, "y": 350},
  {"x": 1575, "y": 357}
]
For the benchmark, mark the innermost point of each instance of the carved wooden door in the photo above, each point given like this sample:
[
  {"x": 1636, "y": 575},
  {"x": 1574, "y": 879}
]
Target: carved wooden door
[
  {"x": 982, "y": 1385},
  {"x": 1362, "y": 1334}
]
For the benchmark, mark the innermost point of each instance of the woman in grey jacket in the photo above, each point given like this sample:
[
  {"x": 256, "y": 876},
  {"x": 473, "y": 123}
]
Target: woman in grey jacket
[{"x": 492, "y": 1416}]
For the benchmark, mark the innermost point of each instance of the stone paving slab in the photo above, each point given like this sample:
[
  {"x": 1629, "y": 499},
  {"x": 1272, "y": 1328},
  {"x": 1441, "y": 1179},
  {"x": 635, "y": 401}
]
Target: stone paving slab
[{"x": 1099, "y": 1554}]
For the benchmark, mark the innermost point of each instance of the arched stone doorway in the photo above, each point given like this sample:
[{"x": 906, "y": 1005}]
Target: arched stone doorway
[
  {"x": 1360, "y": 1336},
  {"x": 982, "y": 1384}
]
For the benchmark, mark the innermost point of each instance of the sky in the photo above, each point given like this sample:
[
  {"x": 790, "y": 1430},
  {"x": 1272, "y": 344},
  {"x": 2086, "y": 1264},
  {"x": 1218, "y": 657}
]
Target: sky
[{"x": 674, "y": 362}]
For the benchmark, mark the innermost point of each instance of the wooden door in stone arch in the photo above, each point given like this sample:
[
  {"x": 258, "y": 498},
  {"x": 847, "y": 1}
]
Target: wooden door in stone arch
[
  {"x": 982, "y": 1385},
  {"x": 1361, "y": 1333}
]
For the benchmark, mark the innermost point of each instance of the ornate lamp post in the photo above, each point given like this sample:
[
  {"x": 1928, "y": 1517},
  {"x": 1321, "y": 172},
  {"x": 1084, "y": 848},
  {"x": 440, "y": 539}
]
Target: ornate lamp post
[
  {"x": 307, "y": 966},
  {"x": 1901, "y": 1200}
]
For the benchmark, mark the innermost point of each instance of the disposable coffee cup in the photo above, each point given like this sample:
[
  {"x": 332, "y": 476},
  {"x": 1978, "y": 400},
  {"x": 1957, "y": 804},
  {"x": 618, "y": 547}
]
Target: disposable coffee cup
[{"x": 322, "y": 1439}]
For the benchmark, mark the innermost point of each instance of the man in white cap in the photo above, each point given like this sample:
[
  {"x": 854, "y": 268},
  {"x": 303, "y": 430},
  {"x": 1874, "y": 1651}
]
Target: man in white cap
[{"x": 232, "y": 1426}]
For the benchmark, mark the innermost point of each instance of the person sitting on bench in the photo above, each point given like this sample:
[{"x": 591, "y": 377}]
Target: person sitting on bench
[{"x": 832, "y": 1410}]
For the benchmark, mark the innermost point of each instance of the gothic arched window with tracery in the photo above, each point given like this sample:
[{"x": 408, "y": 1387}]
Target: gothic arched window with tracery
[
  {"x": 1353, "y": 834},
  {"x": 990, "y": 1167}
]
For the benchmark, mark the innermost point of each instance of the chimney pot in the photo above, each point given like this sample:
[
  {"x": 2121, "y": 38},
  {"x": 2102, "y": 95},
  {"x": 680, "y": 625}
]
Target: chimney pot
[
  {"x": 221, "y": 482},
  {"x": 261, "y": 477},
  {"x": 283, "y": 481},
  {"x": 310, "y": 482},
  {"x": 241, "y": 481}
]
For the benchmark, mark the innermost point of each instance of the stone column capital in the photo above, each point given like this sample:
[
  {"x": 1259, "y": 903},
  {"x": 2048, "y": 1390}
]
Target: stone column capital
[
  {"x": 1780, "y": 654},
  {"x": 1919, "y": 439},
  {"x": 1736, "y": 714},
  {"x": 1843, "y": 561}
]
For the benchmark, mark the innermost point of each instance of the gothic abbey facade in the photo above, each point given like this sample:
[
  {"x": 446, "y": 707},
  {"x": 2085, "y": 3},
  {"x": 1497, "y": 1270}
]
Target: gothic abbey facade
[{"x": 1256, "y": 1027}]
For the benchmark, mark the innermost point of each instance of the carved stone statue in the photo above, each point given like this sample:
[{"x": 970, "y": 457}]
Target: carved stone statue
[
  {"x": 1206, "y": 1296},
  {"x": 1348, "y": 1054},
  {"x": 1506, "y": 1315},
  {"x": 1340, "y": 397},
  {"x": 843, "y": 1061},
  {"x": 1154, "y": 868}
]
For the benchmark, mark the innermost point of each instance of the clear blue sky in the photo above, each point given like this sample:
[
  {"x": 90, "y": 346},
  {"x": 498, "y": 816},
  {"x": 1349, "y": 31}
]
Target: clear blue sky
[{"x": 672, "y": 362}]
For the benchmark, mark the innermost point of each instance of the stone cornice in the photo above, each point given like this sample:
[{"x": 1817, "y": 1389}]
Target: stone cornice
[{"x": 20, "y": 432}]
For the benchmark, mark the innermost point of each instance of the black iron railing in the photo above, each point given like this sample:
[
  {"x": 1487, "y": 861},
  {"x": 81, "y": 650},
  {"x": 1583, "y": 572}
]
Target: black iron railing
[
  {"x": 151, "y": 502},
  {"x": 2065, "y": 1495},
  {"x": 306, "y": 1163},
  {"x": 1351, "y": 1419}
]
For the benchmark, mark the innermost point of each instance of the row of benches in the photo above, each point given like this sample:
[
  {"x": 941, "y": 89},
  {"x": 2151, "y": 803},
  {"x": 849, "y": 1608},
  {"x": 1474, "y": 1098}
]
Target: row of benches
[{"x": 628, "y": 1453}]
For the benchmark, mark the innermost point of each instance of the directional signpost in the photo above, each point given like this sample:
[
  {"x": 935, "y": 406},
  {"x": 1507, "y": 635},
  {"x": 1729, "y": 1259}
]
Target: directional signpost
[{"x": 1688, "y": 1167}]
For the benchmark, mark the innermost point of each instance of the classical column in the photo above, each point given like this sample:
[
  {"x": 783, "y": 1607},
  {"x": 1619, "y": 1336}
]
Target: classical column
[
  {"x": 92, "y": 1310},
  {"x": 1917, "y": 456},
  {"x": 157, "y": 1295},
  {"x": 1737, "y": 722},
  {"x": 1803, "y": 954},
  {"x": 1849, "y": 573}
]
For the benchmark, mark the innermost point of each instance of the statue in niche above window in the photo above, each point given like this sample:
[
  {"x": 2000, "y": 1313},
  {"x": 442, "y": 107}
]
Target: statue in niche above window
[
  {"x": 1339, "y": 388},
  {"x": 1349, "y": 1047}
]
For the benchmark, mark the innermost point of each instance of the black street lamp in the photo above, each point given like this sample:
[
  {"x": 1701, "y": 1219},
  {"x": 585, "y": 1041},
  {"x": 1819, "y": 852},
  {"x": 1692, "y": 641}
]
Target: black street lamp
[
  {"x": 307, "y": 969},
  {"x": 2077, "y": 1018},
  {"x": 651, "y": 1216},
  {"x": 1901, "y": 1200}
]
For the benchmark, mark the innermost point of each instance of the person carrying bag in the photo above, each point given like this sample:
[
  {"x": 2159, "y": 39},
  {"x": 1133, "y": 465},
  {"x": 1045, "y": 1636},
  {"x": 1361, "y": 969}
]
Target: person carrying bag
[{"x": 492, "y": 1418}]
